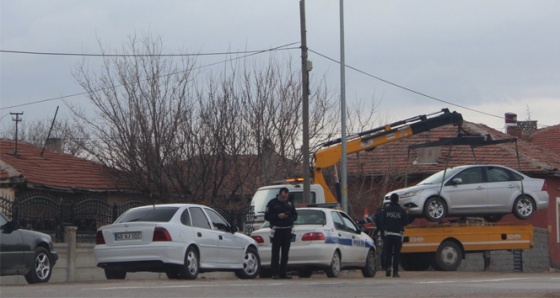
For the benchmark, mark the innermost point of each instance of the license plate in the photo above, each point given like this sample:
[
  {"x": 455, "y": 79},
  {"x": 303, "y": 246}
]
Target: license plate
[{"x": 128, "y": 236}]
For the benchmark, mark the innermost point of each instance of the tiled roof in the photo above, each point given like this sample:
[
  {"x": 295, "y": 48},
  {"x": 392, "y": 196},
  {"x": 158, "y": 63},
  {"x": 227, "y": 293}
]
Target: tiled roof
[
  {"x": 54, "y": 170},
  {"x": 392, "y": 157},
  {"x": 548, "y": 137}
]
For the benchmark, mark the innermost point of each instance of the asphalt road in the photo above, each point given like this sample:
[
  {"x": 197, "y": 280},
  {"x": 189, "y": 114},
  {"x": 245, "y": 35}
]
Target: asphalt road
[{"x": 351, "y": 284}]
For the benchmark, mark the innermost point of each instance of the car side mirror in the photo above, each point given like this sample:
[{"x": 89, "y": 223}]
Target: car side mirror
[
  {"x": 457, "y": 180},
  {"x": 233, "y": 229}
]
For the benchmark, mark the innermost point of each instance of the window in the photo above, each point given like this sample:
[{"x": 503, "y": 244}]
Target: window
[
  {"x": 297, "y": 197},
  {"x": 338, "y": 222},
  {"x": 496, "y": 174},
  {"x": 349, "y": 224},
  {"x": 310, "y": 217},
  {"x": 159, "y": 214},
  {"x": 471, "y": 175},
  {"x": 199, "y": 218},
  {"x": 186, "y": 218},
  {"x": 3, "y": 221},
  {"x": 217, "y": 221}
]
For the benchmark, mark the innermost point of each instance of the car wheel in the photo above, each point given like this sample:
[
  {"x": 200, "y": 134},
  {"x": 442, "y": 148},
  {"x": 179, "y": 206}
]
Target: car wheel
[
  {"x": 371, "y": 264},
  {"x": 524, "y": 207},
  {"x": 251, "y": 265},
  {"x": 493, "y": 218},
  {"x": 42, "y": 268},
  {"x": 435, "y": 209},
  {"x": 448, "y": 256},
  {"x": 416, "y": 261},
  {"x": 334, "y": 268},
  {"x": 305, "y": 273},
  {"x": 191, "y": 267},
  {"x": 112, "y": 274}
]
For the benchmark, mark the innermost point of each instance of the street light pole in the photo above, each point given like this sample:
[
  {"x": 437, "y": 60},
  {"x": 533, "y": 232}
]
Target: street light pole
[{"x": 343, "y": 159}]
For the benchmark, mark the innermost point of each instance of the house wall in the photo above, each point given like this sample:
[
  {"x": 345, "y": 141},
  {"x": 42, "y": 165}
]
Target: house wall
[{"x": 8, "y": 193}]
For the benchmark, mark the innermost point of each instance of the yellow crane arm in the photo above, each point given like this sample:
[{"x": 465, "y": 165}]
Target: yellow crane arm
[{"x": 331, "y": 152}]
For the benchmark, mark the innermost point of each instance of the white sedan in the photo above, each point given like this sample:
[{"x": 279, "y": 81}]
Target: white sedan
[
  {"x": 322, "y": 239},
  {"x": 489, "y": 191},
  {"x": 178, "y": 239}
]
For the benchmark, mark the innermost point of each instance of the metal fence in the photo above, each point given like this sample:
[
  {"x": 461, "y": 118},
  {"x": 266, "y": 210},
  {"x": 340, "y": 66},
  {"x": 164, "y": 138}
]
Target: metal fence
[{"x": 45, "y": 215}]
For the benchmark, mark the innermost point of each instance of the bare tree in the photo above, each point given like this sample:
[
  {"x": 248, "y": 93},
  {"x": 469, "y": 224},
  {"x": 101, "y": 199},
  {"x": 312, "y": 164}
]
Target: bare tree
[
  {"x": 184, "y": 138},
  {"x": 141, "y": 99}
]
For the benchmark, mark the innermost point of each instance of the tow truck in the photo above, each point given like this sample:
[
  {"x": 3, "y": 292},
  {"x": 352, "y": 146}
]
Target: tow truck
[
  {"x": 329, "y": 155},
  {"x": 443, "y": 246}
]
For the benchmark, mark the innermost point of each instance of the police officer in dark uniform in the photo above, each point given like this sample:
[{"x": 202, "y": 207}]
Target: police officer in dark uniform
[
  {"x": 281, "y": 214},
  {"x": 393, "y": 221}
]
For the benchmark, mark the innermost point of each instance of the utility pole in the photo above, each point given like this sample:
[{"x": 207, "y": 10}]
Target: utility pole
[
  {"x": 305, "y": 102},
  {"x": 343, "y": 160},
  {"x": 16, "y": 120}
]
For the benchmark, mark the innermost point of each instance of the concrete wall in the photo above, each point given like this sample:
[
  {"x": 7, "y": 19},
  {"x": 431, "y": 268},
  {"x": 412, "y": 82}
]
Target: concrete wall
[
  {"x": 536, "y": 259},
  {"x": 77, "y": 262}
]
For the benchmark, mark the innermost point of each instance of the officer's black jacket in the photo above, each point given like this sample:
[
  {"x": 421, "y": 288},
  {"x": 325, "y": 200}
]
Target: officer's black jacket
[
  {"x": 275, "y": 207},
  {"x": 394, "y": 218}
]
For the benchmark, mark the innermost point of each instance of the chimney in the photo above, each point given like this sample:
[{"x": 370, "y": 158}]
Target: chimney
[
  {"x": 511, "y": 125},
  {"x": 527, "y": 128}
]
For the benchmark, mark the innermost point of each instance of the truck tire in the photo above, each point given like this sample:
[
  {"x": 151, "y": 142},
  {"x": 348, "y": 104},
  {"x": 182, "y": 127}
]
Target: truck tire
[
  {"x": 448, "y": 256},
  {"x": 524, "y": 207},
  {"x": 416, "y": 261},
  {"x": 435, "y": 209}
]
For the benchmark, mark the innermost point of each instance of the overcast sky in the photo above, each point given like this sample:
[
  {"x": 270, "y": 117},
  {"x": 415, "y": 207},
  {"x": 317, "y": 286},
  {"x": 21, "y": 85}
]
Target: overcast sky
[{"x": 487, "y": 57}]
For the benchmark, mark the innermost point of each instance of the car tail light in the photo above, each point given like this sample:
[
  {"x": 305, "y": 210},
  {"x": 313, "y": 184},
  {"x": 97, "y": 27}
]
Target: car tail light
[
  {"x": 313, "y": 236},
  {"x": 259, "y": 239},
  {"x": 161, "y": 234},
  {"x": 544, "y": 187},
  {"x": 99, "y": 238}
]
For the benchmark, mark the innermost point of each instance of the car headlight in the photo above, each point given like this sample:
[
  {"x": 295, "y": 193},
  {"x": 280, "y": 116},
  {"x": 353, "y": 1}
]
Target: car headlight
[{"x": 410, "y": 193}]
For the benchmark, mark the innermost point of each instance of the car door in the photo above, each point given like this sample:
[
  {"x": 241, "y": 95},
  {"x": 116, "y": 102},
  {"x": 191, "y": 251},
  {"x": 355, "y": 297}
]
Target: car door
[
  {"x": 205, "y": 237},
  {"x": 357, "y": 249},
  {"x": 344, "y": 238},
  {"x": 230, "y": 248},
  {"x": 11, "y": 248},
  {"x": 466, "y": 191},
  {"x": 503, "y": 187}
]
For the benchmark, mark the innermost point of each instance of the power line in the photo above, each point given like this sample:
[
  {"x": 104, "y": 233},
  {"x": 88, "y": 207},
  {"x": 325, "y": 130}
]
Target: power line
[
  {"x": 138, "y": 55},
  {"x": 406, "y": 88},
  {"x": 249, "y": 54}
]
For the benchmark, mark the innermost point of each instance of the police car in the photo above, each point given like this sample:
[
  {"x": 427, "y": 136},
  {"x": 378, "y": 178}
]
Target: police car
[{"x": 322, "y": 239}]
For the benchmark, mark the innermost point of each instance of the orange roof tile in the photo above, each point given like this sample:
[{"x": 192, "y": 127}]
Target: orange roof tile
[
  {"x": 54, "y": 170},
  {"x": 548, "y": 137},
  {"x": 392, "y": 158}
]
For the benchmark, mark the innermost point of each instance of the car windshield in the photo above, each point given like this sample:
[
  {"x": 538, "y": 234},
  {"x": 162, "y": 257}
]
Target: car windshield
[
  {"x": 155, "y": 214},
  {"x": 437, "y": 178}
]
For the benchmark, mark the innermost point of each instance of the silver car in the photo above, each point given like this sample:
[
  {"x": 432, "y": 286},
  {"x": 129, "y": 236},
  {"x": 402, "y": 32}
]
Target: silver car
[{"x": 489, "y": 191}]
